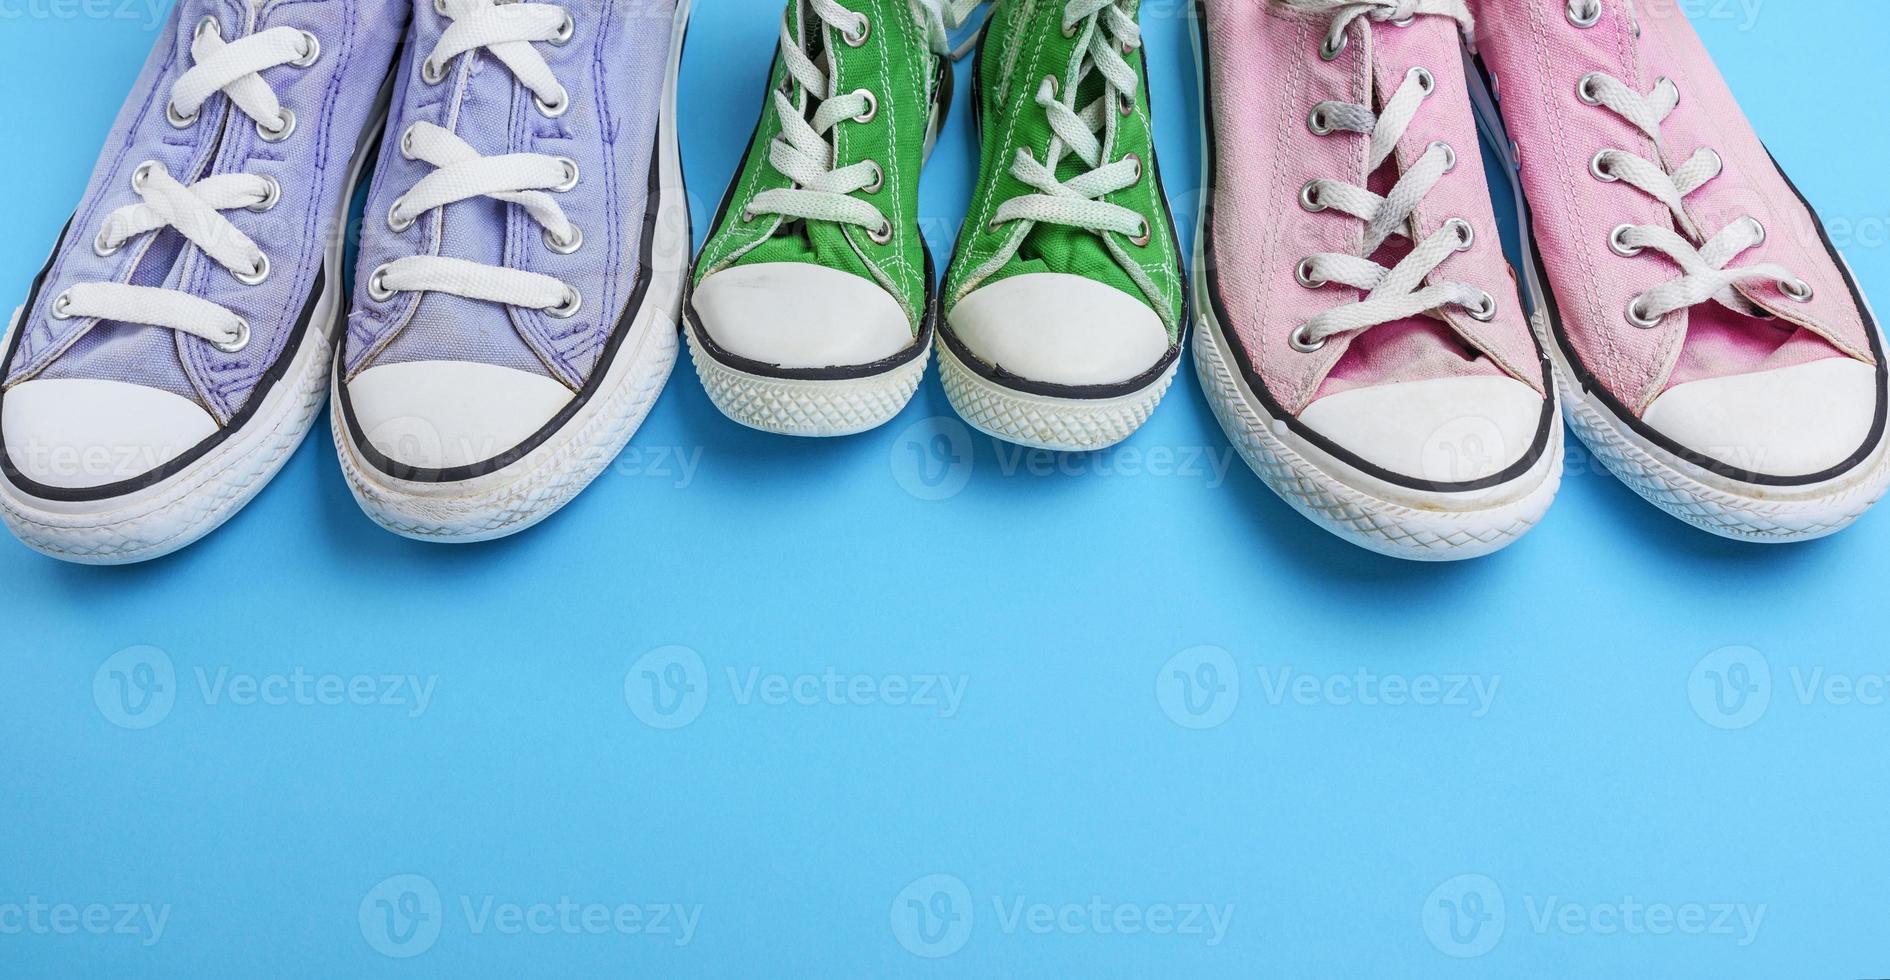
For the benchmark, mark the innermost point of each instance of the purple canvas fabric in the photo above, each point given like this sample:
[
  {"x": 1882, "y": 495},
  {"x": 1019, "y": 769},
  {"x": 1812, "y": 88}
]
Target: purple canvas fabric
[
  {"x": 334, "y": 100},
  {"x": 613, "y": 68}
]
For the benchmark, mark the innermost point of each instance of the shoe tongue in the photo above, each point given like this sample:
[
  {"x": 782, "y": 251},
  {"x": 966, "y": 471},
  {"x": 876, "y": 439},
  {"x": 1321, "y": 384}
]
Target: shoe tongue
[
  {"x": 451, "y": 327},
  {"x": 1418, "y": 348}
]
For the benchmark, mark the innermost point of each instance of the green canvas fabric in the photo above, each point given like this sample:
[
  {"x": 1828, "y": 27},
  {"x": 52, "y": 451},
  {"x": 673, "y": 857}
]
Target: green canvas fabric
[
  {"x": 896, "y": 65},
  {"x": 1023, "y": 44}
]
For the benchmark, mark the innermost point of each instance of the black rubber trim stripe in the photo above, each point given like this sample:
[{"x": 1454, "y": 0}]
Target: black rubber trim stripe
[
  {"x": 848, "y": 372},
  {"x": 1002, "y": 378},
  {"x": 1544, "y": 425},
  {"x": 152, "y": 477},
  {"x": 592, "y": 384}
]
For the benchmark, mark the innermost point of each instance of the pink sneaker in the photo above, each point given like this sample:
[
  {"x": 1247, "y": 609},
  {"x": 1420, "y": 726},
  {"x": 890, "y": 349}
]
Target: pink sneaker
[
  {"x": 1361, "y": 338},
  {"x": 1711, "y": 345}
]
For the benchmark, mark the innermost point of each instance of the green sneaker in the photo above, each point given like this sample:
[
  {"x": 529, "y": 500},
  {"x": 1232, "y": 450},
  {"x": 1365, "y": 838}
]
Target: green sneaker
[
  {"x": 1064, "y": 301},
  {"x": 811, "y": 307}
]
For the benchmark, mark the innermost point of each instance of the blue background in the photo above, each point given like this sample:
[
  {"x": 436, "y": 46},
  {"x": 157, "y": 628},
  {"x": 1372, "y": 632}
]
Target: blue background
[{"x": 590, "y": 732}]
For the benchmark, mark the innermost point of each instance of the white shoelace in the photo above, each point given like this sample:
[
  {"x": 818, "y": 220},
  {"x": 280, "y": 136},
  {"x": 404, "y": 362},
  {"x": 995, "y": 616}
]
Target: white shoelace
[
  {"x": 1704, "y": 272},
  {"x": 804, "y": 152},
  {"x": 507, "y": 32},
  {"x": 1399, "y": 292},
  {"x": 1105, "y": 32},
  {"x": 233, "y": 68}
]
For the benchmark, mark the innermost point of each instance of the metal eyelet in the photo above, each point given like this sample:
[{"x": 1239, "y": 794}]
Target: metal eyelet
[
  {"x": 872, "y": 106},
  {"x": 866, "y": 31},
  {"x": 1138, "y": 167},
  {"x": 272, "y": 194},
  {"x": 565, "y": 247},
  {"x": 311, "y": 51},
  {"x": 406, "y": 141},
  {"x": 879, "y": 178},
  {"x": 1125, "y": 103},
  {"x": 61, "y": 308},
  {"x": 570, "y": 175},
  {"x": 1585, "y": 89},
  {"x": 1599, "y": 168},
  {"x": 208, "y": 24},
  {"x": 1143, "y": 237},
  {"x": 1301, "y": 342},
  {"x": 1329, "y": 51},
  {"x": 573, "y": 302},
  {"x": 1759, "y": 226},
  {"x": 1485, "y": 310},
  {"x": 255, "y": 276},
  {"x": 565, "y": 30},
  {"x": 1069, "y": 29},
  {"x": 1425, "y": 79},
  {"x": 1796, "y": 290},
  {"x": 882, "y": 234},
  {"x": 1319, "y": 121},
  {"x": 141, "y": 175},
  {"x": 1581, "y": 19},
  {"x": 552, "y": 110},
  {"x": 1664, "y": 80},
  {"x": 1450, "y": 155},
  {"x": 285, "y": 127},
  {"x": 439, "y": 7},
  {"x": 432, "y": 72},
  {"x": 177, "y": 117},
  {"x": 1638, "y": 317},
  {"x": 1617, "y": 240},
  {"x": 1309, "y": 197},
  {"x": 237, "y": 343},
  {"x": 377, "y": 286},
  {"x": 1719, "y": 162},
  {"x": 1466, "y": 233},
  {"x": 748, "y": 216},
  {"x": 1303, "y": 274},
  {"x": 100, "y": 249},
  {"x": 397, "y": 222}
]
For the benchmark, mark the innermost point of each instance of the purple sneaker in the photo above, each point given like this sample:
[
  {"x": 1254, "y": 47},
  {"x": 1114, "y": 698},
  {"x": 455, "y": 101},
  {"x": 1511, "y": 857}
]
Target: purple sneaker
[
  {"x": 176, "y": 346},
  {"x": 521, "y": 265}
]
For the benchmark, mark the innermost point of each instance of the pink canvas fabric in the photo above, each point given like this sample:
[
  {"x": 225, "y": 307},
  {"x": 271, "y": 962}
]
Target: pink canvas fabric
[
  {"x": 1264, "y": 75},
  {"x": 1539, "y": 57}
]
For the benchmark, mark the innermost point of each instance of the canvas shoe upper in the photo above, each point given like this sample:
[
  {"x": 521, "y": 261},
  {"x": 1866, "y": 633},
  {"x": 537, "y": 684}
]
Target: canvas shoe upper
[
  {"x": 1063, "y": 303},
  {"x": 515, "y": 236},
  {"x": 1698, "y": 303},
  {"x": 812, "y": 301},
  {"x": 177, "y": 336},
  {"x": 1363, "y": 339}
]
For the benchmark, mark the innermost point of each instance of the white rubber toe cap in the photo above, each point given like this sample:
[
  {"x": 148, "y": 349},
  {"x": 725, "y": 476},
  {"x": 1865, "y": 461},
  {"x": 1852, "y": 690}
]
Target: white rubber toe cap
[
  {"x": 801, "y": 315},
  {"x": 1060, "y": 329},
  {"x": 1793, "y": 421},
  {"x": 1445, "y": 430},
  {"x": 76, "y": 434},
  {"x": 442, "y": 414}
]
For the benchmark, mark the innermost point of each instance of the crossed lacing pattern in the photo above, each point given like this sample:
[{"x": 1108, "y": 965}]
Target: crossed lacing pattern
[
  {"x": 1390, "y": 294},
  {"x": 233, "y": 68},
  {"x": 804, "y": 151},
  {"x": 1105, "y": 32},
  {"x": 1705, "y": 276},
  {"x": 506, "y": 31}
]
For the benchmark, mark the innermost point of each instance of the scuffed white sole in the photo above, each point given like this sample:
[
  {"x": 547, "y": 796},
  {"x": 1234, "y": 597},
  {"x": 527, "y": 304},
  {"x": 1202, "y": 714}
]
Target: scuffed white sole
[
  {"x": 1047, "y": 421},
  {"x": 806, "y": 406},
  {"x": 177, "y": 511}
]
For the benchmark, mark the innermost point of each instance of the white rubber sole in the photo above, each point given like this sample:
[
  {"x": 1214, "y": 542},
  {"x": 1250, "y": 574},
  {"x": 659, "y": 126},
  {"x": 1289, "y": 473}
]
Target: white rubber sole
[
  {"x": 177, "y": 511},
  {"x": 1368, "y": 512},
  {"x": 532, "y": 488},
  {"x": 803, "y": 406},
  {"x": 1728, "y": 508},
  {"x": 1047, "y": 421}
]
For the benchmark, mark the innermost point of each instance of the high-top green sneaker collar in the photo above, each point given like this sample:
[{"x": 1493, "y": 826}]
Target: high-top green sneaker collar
[
  {"x": 1067, "y": 179},
  {"x": 831, "y": 176}
]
